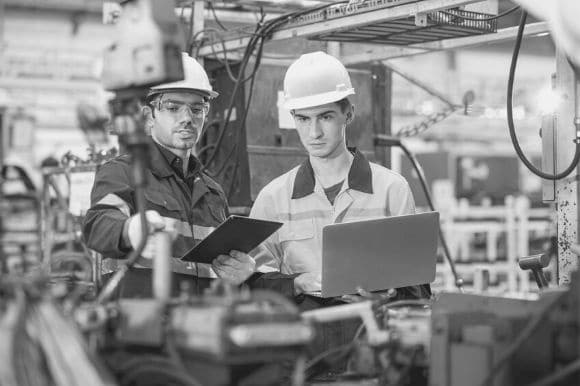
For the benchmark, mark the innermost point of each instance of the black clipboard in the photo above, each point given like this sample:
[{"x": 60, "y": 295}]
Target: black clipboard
[{"x": 236, "y": 233}]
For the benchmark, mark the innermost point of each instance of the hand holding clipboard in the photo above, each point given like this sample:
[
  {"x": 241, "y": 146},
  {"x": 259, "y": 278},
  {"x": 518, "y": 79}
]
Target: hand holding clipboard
[{"x": 237, "y": 233}]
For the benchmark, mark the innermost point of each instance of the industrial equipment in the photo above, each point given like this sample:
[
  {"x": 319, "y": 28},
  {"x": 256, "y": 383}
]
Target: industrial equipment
[
  {"x": 482, "y": 340},
  {"x": 147, "y": 52},
  {"x": 224, "y": 337}
]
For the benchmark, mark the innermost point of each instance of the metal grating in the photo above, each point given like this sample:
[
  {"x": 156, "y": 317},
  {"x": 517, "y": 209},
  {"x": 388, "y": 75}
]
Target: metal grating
[
  {"x": 337, "y": 11},
  {"x": 439, "y": 25}
]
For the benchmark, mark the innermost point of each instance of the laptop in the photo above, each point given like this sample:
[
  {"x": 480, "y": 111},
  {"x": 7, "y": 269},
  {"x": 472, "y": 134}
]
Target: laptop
[{"x": 379, "y": 254}]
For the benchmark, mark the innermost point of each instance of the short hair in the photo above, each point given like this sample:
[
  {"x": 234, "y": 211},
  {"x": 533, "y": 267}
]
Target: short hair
[{"x": 344, "y": 104}]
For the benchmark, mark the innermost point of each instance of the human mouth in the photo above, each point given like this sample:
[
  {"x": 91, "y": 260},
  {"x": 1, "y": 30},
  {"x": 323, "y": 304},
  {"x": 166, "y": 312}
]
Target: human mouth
[{"x": 187, "y": 132}]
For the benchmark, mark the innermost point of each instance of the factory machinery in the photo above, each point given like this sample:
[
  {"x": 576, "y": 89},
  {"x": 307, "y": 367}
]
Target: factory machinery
[
  {"x": 58, "y": 334},
  {"x": 63, "y": 332}
]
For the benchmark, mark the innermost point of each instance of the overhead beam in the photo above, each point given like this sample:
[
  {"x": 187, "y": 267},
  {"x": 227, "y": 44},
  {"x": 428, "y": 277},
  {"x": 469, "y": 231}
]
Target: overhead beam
[
  {"x": 390, "y": 52},
  {"x": 340, "y": 24}
]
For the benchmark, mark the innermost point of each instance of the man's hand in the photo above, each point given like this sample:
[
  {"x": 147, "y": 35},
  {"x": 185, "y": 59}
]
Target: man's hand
[
  {"x": 154, "y": 223},
  {"x": 235, "y": 267},
  {"x": 307, "y": 282}
]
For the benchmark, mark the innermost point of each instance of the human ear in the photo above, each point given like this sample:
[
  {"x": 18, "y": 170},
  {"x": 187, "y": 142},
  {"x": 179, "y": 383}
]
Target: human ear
[
  {"x": 148, "y": 118},
  {"x": 350, "y": 115}
]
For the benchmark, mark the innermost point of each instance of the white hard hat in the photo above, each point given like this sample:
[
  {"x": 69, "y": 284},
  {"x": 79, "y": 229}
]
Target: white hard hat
[
  {"x": 562, "y": 18},
  {"x": 195, "y": 80},
  {"x": 315, "y": 79}
]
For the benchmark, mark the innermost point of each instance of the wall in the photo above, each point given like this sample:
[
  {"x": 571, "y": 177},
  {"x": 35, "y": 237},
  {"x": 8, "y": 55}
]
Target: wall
[{"x": 49, "y": 62}]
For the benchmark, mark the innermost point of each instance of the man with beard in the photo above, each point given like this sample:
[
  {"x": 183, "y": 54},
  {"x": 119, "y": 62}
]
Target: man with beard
[{"x": 180, "y": 197}]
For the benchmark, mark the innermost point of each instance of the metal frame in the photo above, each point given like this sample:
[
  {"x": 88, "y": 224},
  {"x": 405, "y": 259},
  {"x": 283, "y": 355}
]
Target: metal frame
[
  {"x": 566, "y": 190},
  {"x": 385, "y": 53},
  {"x": 339, "y": 24},
  {"x": 48, "y": 236}
]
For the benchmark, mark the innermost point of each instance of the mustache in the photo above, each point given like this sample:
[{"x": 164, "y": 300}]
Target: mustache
[{"x": 188, "y": 127}]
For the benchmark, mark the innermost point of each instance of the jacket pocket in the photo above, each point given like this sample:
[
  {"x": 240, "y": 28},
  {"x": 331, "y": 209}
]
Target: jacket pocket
[
  {"x": 217, "y": 207},
  {"x": 160, "y": 201}
]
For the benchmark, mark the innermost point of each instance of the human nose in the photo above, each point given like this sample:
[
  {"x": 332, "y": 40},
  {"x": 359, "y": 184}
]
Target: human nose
[
  {"x": 315, "y": 130},
  {"x": 185, "y": 114}
]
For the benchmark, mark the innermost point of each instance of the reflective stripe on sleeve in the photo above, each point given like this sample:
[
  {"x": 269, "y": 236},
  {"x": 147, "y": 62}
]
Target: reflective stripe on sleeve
[
  {"x": 115, "y": 201},
  {"x": 201, "y": 232}
]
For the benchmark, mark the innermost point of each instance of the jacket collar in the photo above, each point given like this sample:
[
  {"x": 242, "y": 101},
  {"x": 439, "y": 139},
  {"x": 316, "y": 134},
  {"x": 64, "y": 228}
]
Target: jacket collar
[
  {"x": 359, "y": 176},
  {"x": 163, "y": 159}
]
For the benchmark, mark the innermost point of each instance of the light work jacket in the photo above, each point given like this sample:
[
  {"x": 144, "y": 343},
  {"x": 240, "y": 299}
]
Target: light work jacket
[{"x": 298, "y": 200}]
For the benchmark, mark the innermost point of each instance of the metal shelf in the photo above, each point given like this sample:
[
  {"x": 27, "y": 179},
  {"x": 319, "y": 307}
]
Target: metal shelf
[
  {"x": 390, "y": 52},
  {"x": 437, "y": 26},
  {"x": 339, "y": 24}
]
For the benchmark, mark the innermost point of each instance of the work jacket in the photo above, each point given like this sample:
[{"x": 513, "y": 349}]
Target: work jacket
[
  {"x": 195, "y": 210},
  {"x": 298, "y": 200}
]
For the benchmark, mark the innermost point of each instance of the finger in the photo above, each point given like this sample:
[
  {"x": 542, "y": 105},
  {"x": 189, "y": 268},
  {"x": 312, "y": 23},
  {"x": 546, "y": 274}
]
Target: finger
[
  {"x": 155, "y": 220},
  {"x": 222, "y": 273},
  {"x": 149, "y": 251},
  {"x": 222, "y": 259},
  {"x": 232, "y": 262},
  {"x": 217, "y": 269},
  {"x": 170, "y": 224},
  {"x": 243, "y": 259},
  {"x": 239, "y": 255}
]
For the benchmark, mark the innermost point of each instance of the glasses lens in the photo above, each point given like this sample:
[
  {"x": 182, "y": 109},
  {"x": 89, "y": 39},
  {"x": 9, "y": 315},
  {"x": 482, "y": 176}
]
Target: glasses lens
[{"x": 196, "y": 110}]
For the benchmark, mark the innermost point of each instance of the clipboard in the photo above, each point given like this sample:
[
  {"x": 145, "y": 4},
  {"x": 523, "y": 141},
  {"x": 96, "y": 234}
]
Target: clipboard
[{"x": 236, "y": 233}]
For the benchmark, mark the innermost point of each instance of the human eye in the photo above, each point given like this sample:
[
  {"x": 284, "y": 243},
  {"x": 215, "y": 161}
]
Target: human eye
[
  {"x": 172, "y": 107},
  {"x": 326, "y": 117},
  {"x": 301, "y": 119}
]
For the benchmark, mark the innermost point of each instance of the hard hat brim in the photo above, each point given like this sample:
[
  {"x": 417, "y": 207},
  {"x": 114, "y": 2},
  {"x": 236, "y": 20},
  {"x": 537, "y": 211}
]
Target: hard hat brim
[
  {"x": 205, "y": 93},
  {"x": 317, "y": 100}
]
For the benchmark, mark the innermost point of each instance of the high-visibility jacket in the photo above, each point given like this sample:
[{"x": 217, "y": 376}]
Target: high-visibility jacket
[
  {"x": 196, "y": 213},
  {"x": 298, "y": 200}
]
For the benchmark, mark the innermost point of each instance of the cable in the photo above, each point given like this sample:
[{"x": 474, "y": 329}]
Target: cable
[
  {"x": 249, "y": 49},
  {"x": 263, "y": 32},
  {"x": 559, "y": 375},
  {"x": 423, "y": 181},
  {"x": 255, "y": 44},
  {"x": 341, "y": 351},
  {"x": 521, "y": 339},
  {"x": 510, "y": 117},
  {"x": 190, "y": 38},
  {"x": 211, "y": 7},
  {"x": 238, "y": 134},
  {"x": 499, "y": 15}
]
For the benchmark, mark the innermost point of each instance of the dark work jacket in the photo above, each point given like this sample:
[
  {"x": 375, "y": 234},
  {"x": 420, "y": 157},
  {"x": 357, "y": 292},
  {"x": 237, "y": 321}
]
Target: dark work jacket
[{"x": 195, "y": 203}]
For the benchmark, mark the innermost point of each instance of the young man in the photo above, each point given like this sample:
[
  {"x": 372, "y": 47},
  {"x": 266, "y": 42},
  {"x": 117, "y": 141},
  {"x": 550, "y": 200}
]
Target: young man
[
  {"x": 179, "y": 195},
  {"x": 333, "y": 185}
]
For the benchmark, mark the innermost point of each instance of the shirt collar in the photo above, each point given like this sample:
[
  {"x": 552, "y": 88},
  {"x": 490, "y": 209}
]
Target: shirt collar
[
  {"x": 359, "y": 176},
  {"x": 163, "y": 161}
]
